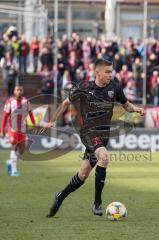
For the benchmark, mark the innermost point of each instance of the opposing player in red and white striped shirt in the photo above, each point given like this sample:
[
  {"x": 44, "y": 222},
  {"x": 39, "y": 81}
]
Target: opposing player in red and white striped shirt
[{"x": 15, "y": 113}]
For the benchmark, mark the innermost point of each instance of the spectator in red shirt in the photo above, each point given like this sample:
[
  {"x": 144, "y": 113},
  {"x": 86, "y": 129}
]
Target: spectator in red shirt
[
  {"x": 72, "y": 64},
  {"x": 47, "y": 80},
  {"x": 130, "y": 91},
  {"x": 23, "y": 55},
  {"x": 124, "y": 74},
  {"x": 90, "y": 73},
  {"x": 153, "y": 80},
  {"x": 155, "y": 92},
  {"x": 34, "y": 49}
]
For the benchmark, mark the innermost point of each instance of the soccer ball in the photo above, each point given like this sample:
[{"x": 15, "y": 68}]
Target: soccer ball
[{"x": 116, "y": 211}]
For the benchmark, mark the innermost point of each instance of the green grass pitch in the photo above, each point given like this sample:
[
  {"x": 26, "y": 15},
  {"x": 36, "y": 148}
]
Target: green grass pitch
[{"x": 24, "y": 201}]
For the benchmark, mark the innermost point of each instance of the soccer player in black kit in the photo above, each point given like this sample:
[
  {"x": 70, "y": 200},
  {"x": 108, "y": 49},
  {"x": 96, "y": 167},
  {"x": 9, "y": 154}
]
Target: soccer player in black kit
[{"x": 96, "y": 101}]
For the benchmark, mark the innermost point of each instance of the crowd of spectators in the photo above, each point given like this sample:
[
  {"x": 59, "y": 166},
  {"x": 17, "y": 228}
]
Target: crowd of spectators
[{"x": 76, "y": 58}]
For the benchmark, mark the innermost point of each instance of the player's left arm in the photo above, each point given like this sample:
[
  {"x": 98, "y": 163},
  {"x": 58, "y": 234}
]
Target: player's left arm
[
  {"x": 31, "y": 115},
  {"x": 129, "y": 107},
  {"x": 3, "y": 123},
  {"x": 6, "y": 113}
]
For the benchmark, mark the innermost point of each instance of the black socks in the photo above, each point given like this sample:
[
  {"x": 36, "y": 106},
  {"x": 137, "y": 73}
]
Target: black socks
[
  {"x": 74, "y": 184},
  {"x": 100, "y": 176}
]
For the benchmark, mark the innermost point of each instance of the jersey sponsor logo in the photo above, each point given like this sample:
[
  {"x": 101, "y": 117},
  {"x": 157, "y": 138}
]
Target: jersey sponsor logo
[
  {"x": 91, "y": 93},
  {"x": 145, "y": 140},
  {"x": 111, "y": 94},
  {"x": 97, "y": 141}
]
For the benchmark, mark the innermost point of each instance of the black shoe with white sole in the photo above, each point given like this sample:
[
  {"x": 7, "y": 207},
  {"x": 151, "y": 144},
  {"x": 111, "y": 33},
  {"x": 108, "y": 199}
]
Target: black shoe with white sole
[
  {"x": 56, "y": 205},
  {"x": 97, "y": 209}
]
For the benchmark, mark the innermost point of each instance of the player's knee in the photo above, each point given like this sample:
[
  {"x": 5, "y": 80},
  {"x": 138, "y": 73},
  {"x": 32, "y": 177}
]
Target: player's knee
[
  {"x": 83, "y": 175},
  {"x": 103, "y": 158},
  {"x": 103, "y": 162}
]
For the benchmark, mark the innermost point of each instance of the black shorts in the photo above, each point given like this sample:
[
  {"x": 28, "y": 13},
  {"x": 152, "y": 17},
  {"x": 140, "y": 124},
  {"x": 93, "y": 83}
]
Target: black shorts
[{"x": 89, "y": 153}]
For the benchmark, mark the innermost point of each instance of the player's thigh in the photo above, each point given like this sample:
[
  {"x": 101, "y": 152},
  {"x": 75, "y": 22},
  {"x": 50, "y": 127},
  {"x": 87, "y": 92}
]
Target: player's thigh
[
  {"x": 85, "y": 169},
  {"x": 102, "y": 156},
  {"x": 18, "y": 141}
]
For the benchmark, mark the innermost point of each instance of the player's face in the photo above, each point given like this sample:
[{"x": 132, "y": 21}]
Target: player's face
[
  {"x": 104, "y": 74},
  {"x": 18, "y": 92}
]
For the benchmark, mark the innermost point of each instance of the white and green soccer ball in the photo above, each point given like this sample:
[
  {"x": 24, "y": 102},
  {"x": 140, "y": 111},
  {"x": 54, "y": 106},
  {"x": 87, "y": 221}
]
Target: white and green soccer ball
[{"x": 116, "y": 211}]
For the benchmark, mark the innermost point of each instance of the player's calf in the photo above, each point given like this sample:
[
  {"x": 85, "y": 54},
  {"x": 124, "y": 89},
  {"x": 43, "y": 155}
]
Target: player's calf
[
  {"x": 76, "y": 182},
  {"x": 100, "y": 177},
  {"x": 13, "y": 160},
  {"x": 73, "y": 185},
  {"x": 83, "y": 174},
  {"x": 85, "y": 170}
]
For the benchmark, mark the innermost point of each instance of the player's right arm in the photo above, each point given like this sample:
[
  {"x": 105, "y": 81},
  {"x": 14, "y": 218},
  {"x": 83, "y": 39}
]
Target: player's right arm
[
  {"x": 74, "y": 94},
  {"x": 6, "y": 113},
  {"x": 60, "y": 110}
]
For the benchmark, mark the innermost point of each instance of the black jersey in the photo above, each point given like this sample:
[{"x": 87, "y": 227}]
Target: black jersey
[
  {"x": 95, "y": 100},
  {"x": 96, "y": 106}
]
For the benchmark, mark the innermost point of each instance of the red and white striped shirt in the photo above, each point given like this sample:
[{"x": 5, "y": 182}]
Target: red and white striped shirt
[{"x": 16, "y": 111}]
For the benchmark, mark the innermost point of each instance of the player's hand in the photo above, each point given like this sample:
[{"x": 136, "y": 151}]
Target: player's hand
[
  {"x": 141, "y": 111},
  {"x": 2, "y": 134},
  {"x": 48, "y": 125}
]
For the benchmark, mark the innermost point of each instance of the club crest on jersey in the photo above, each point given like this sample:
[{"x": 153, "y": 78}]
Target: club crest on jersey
[{"x": 111, "y": 94}]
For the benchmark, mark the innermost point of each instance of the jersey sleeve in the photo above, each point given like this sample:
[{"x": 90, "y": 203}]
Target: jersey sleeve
[
  {"x": 120, "y": 96},
  {"x": 32, "y": 118},
  {"x": 7, "y": 107},
  {"x": 6, "y": 112},
  {"x": 29, "y": 108},
  {"x": 31, "y": 113},
  {"x": 74, "y": 94}
]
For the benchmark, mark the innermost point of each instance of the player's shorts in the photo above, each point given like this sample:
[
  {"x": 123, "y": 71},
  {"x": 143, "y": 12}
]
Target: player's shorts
[
  {"x": 89, "y": 153},
  {"x": 16, "y": 138}
]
